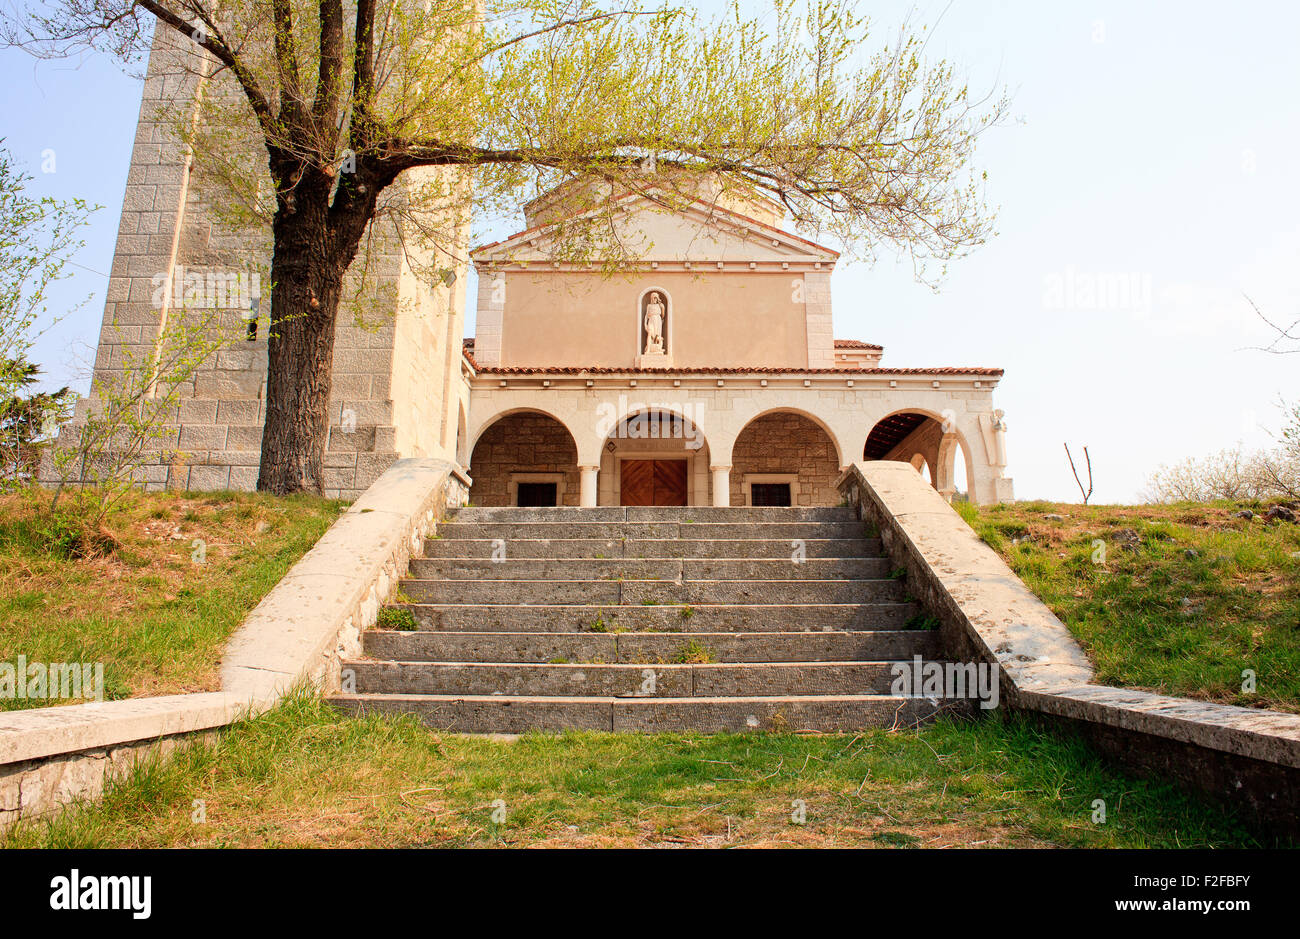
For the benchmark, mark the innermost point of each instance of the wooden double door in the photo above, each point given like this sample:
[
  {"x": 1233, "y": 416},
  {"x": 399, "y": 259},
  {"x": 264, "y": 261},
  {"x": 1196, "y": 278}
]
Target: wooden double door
[{"x": 653, "y": 482}]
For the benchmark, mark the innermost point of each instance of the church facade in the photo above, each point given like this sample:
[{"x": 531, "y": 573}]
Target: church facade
[
  {"x": 705, "y": 373},
  {"x": 708, "y": 374}
]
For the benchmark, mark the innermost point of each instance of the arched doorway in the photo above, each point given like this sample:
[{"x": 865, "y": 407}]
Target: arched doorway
[
  {"x": 931, "y": 444},
  {"x": 526, "y": 458},
  {"x": 784, "y": 458},
  {"x": 654, "y": 457}
]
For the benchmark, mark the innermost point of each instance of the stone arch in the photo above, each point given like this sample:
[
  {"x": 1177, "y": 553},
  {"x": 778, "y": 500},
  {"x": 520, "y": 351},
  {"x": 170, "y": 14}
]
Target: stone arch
[
  {"x": 481, "y": 427},
  {"x": 909, "y": 432},
  {"x": 922, "y": 466},
  {"x": 653, "y": 433},
  {"x": 786, "y": 446},
  {"x": 523, "y": 447},
  {"x": 835, "y": 437}
]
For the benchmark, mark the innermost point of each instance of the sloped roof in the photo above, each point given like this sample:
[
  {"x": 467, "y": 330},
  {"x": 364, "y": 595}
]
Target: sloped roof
[{"x": 699, "y": 207}]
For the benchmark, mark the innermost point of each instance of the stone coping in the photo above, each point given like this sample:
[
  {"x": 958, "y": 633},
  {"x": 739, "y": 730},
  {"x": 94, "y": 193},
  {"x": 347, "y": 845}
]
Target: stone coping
[
  {"x": 313, "y": 618},
  {"x": 308, "y": 623},
  {"x": 1259, "y": 734},
  {"x": 48, "y": 731},
  {"x": 969, "y": 586}
]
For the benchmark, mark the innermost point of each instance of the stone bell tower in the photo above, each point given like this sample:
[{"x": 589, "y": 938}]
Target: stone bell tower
[{"x": 398, "y": 385}]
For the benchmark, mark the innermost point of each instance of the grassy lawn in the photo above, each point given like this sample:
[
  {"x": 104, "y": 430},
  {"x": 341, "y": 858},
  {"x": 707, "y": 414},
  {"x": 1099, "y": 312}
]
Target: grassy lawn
[
  {"x": 1183, "y": 600},
  {"x": 305, "y": 776},
  {"x": 155, "y": 608}
]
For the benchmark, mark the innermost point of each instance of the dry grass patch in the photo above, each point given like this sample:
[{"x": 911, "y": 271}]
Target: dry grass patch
[{"x": 172, "y": 577}]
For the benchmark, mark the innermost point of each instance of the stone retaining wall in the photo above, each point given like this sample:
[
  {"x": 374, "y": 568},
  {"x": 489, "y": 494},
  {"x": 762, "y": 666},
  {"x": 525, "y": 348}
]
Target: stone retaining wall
[
  {"x": 297, "y": 635},
  {"x": 1248, "y": 758}
]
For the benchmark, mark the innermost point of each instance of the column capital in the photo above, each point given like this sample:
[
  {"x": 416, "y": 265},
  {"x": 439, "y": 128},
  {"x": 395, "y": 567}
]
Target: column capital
[{"x": 721, "y": 486}]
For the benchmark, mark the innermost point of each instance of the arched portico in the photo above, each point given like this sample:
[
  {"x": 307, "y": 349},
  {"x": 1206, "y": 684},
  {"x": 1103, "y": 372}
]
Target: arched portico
[
  {"x": 719, "y": 408},
  {"x": 524, "y": 457},
  {"x": 918, "y": 436},
  {"x": 783, "y": 456},
  {"x": 654, "y": 456}
]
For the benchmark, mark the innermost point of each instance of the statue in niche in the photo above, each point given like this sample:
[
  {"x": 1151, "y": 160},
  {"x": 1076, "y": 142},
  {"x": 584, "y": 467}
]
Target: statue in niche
[
  {"x": 1000, "y": 438},
  {"x": 655, "y": 315}
]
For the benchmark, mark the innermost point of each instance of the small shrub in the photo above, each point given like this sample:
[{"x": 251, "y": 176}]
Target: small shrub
[
  {"x": 402, "y": 620},
  {"x": 693, "y": 653}
]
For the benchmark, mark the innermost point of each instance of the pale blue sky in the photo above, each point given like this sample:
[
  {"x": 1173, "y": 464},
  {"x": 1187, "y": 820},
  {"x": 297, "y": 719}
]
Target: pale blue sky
[{"x": 1158, "y": 143}]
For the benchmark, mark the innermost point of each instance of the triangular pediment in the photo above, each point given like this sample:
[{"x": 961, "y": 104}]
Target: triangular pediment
[{"x": 698, "y": 234}]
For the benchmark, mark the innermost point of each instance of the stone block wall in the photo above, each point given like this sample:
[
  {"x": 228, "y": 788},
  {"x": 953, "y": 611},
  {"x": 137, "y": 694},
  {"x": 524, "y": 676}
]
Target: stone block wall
[
  {"x": 522, "y": 443},
  {"x": 787, "y": 443},
  {"x": 43, "y": 787}
]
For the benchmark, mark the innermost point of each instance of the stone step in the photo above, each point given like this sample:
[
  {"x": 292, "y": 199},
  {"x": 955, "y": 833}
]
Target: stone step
[
  {"x": 651, "y": 592},
  {"x": 702, "y": 531},
  {"x": 511, "y": 714},
  {"x": 639, "y": 648},
  {"x": 621, "y": 680},
  {"x": 666, "y": 618},
  {"x": 748, "y": 514},
  {"x": 665, "y": 569},
  {"x": 652, "y": 548}
]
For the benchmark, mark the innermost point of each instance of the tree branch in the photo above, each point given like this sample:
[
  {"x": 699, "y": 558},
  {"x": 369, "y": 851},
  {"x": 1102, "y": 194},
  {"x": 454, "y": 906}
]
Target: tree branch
[
  {"x": 326, "y": 108},
  {"x": 212, "y": 40}
]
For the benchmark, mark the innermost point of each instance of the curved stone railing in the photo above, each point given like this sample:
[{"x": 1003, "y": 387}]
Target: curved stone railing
[
  {"x": 1246, "y": 756},
  {"x": 297, "y": 635}
]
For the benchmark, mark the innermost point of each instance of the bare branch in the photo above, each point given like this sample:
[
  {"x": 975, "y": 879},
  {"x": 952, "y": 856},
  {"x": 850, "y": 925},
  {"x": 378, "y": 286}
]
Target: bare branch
[
  {"x": 1283, "y": 335},
  {"x": 1087, "y": 494}
]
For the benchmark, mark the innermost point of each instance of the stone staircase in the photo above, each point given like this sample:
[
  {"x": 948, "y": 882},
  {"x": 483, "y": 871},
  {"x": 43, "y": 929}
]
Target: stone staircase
[{"x": 647, "y": 619}]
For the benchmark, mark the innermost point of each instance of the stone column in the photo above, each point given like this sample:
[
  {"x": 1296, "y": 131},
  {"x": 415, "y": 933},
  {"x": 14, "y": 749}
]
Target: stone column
[
  {"x": 587, "y": 492},
  {"x": 721, "y": 486}
]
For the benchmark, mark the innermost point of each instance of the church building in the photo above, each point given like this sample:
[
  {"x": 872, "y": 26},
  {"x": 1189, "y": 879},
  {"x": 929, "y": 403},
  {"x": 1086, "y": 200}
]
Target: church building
[{"x": 709, "y": 374}]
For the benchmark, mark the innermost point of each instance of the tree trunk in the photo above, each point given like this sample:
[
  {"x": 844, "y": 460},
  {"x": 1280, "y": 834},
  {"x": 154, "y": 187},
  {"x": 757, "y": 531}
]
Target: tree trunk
[
  {"x": 307, "y": 270},
  {"x": 317, "y": 229}
]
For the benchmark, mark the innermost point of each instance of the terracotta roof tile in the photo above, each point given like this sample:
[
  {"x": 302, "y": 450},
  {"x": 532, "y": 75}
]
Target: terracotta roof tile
[
  {"x": 758, "y": 370},
  {"x": 855, "y": 344}
]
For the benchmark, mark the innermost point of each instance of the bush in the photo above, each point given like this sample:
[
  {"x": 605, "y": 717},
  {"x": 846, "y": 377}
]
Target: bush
[
  {"x": 1234, "y": 475},
  {"x": 397, "y": 618}
]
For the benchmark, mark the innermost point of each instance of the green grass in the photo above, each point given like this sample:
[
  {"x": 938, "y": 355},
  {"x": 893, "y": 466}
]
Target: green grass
[
  {"x": 156, "y": 608},
  {"x": 1180, "y": 599},
  {"x": 303, "y": 775},
  {"x": 693, "y": 652}
]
